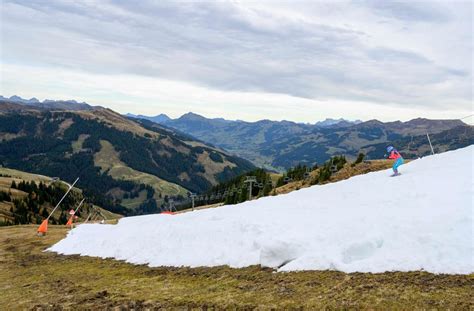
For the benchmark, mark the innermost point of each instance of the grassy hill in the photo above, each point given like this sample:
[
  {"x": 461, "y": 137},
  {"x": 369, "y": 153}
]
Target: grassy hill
[
  {"x": 109, "y": 162},
  {"x": 347, "y": 171},
  {"x": 125, "y": 166},
  {"x": 28, "y": 203},
  {"x": 34, "y": 279}
]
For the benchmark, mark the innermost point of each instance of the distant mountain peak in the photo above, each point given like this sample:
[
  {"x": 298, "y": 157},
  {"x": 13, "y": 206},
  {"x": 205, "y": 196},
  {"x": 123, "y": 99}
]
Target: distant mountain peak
[
  {"x": 340, "y": 121},
  {"x": 191, "y": 116},
  {"x": 16, "y": 98},
  {"x": 373, "y": 122},
  {"x": 160, "y": 118},
  {"x": 47, "y": 103}
]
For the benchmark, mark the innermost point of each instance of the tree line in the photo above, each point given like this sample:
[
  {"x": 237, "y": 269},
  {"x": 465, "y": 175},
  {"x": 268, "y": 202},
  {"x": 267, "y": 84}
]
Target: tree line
[
  {"x": 38, "y": 201},
  {"x": 237, "y": 190}
]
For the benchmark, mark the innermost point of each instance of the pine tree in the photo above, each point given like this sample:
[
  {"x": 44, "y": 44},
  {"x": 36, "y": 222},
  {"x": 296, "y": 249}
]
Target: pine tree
[{"x": 359, "y": 159}]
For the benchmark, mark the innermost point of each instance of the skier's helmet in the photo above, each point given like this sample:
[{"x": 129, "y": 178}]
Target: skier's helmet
[{"x": 389, "y": 148}]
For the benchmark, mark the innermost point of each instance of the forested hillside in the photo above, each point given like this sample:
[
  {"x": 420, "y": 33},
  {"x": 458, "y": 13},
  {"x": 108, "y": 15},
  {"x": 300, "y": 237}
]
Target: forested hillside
[
  {"x": 110, "y": 154},
  {"x": 29, "y": 198}
]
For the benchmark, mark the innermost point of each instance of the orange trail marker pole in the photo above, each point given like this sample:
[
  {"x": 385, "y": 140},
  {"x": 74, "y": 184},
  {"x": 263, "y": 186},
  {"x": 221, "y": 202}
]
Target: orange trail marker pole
[
  {"x": 71, "y": 219},
  {"x": 69, "y": 222},
  {"x": 43, "y": 228}
]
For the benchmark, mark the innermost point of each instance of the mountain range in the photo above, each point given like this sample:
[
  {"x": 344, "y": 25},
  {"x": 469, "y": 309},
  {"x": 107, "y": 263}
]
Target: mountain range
[
  {"x": 193, "y": 152},
  {"x": 126, "y": 166},
  {"x": 163, "y": 118},
  {"x": 47, "y": 103},
  {"x": 279, "y": 145}
]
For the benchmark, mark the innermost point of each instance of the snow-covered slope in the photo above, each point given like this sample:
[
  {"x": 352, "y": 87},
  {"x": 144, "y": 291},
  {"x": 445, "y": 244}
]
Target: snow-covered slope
[{"x": 421, "y": 220}]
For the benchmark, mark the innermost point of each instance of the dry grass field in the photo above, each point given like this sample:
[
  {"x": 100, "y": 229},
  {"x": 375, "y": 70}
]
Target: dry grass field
[{"x": 346, "y": 172}]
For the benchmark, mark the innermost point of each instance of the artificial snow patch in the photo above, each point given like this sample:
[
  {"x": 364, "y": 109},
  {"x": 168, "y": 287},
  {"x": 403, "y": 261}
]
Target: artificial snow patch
[{"x": 421, "y": 220}]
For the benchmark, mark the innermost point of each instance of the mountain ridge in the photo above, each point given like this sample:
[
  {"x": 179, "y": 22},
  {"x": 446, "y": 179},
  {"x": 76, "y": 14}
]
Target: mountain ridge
[
  {"x": 47, "y": 103},
  {"x": 117, "y": 157},
  {"x": 278, "y": 145},
  {"x": 195, "y": 116},
  {"x": 157, "y": 119}
]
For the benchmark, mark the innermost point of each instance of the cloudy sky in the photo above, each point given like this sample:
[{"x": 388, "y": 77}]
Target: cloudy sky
[{"x": 250, "y": 60}]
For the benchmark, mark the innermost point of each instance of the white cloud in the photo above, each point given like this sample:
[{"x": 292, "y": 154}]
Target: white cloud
[
  {"x": 151, "y": 96},
  {"x": 245, "y": 59}
]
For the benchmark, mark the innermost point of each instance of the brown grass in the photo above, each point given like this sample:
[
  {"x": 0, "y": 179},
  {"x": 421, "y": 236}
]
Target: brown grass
[
  {"x": 346, "y": 172},
  {"x": 115, "y": 120}
]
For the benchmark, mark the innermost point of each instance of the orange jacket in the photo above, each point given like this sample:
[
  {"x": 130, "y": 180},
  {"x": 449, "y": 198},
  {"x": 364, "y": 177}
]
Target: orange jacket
[{"x": 394, "y": 155}]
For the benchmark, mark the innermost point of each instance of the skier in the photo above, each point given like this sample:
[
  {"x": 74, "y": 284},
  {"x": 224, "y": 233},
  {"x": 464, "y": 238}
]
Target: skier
[{"x": 395, "y": 155}]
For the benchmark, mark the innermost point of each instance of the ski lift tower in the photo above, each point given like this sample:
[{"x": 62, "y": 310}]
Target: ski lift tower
[
  {"x": 250, "y": 180},
  {"x": 192, "y": 196}
]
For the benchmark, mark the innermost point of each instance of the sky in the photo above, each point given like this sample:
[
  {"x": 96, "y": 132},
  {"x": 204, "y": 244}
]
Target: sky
[{"x": 296, "y": 60}]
